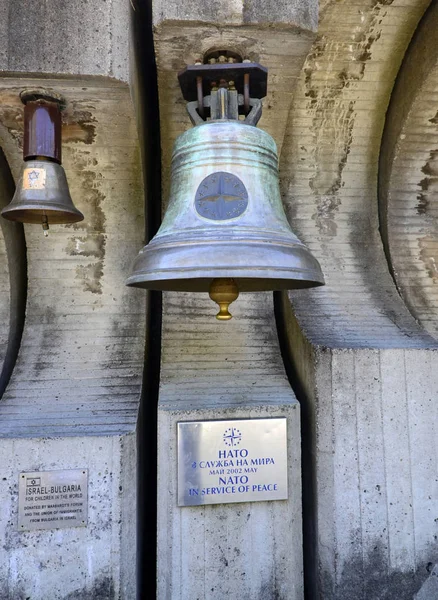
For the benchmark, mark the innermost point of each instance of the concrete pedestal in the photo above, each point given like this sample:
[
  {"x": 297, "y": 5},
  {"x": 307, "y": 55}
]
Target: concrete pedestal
[
  {"x": 96, "y": 561},
  {"x": 210, "y": 371}
]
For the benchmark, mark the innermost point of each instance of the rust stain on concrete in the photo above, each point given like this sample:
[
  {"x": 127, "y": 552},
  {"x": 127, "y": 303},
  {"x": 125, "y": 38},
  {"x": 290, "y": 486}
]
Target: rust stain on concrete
[
  {"x": 86, "y": 246},
  {"x": 431, "y": 167},
  {"x": 12, "y": 119},
  {"x": 426, "y": 207},
  {"x": 79, "y": 124},
  {"x": 94, "y": 241},
  {"x": 90, "y": 240}
]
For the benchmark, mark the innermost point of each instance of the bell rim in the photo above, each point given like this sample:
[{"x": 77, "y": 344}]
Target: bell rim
[
  {"x": 56, "y": 214},
  {"x": 277, "y": 260},
  {"x": 248, "y": 280}
]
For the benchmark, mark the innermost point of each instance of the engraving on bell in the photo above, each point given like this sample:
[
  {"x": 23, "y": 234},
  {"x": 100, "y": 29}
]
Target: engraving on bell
[
  {"x": 258, "y": 249},
  {"x": 221, "y": 196}
]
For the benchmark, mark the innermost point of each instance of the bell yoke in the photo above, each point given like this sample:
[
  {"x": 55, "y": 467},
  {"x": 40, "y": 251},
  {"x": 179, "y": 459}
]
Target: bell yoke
[{"x": 225, "y": 230}]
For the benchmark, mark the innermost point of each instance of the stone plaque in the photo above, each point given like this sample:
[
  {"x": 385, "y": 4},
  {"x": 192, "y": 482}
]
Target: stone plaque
[
  {"x": 53, "y": 499},
  {"x": 232, "y": 461}
]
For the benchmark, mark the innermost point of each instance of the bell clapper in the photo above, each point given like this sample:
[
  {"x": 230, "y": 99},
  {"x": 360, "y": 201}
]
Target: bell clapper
[
  {"x": 45, "y": 224},
  {"x": 223, "y": 291}
]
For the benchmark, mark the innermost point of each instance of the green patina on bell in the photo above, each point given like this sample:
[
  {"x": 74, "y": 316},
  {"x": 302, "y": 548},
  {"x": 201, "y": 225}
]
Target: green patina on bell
[{"x": 225, "y": 218}]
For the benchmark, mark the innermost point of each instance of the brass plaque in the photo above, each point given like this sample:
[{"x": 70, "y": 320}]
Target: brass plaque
[
  {"x": 53, "y": 499},
  {"x": 242, "y": 460},
  {"x": 34, "y": 179}
]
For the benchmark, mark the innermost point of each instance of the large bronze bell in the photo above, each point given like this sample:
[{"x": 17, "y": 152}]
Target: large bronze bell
[
  {"x": 225, "y": 229},
  {"x": 42, "y": 195}
]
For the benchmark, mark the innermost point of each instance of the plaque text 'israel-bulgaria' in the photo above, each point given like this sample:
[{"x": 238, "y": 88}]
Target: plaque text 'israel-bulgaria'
[{"x": 53, "y": 499}]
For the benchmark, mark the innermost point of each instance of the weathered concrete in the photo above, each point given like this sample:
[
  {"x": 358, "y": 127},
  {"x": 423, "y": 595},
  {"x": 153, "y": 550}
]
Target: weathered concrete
[
  {"x": 80, "y": 362},
  {"x": 97, "y": 561},
  {"x": 237, "y": 13},
  {"x": 225, "y": 370},
  {"x": 371, "y": 418},
  {"x": 5, "y": 304},
  {"x": 429, "y": 590},
  {"x": 78, "y": 37},
  {"x": 329, "y": 172},
  {"x": 408, "y": 176},
  {"x": 12, "y": 280},
  {"x": 240, "y": 550},
  {"x": 233, "y": 370},
  {"x": 364, "y": 368},
  {"x": 81, "y": 356}
]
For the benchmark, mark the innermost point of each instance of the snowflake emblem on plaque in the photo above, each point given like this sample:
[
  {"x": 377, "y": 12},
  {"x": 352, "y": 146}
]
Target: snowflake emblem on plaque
[
  {"x": 232, "y": 436},
  {"x": 221, "y": 196}
]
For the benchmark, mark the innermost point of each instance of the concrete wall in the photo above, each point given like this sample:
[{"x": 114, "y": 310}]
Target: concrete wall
[
  {"x": 362, "y": 359},
  {"x": 372, "y": 421},
  {"x": 69, "y": 38},
  {"x": 408, "y": 175},
  {"x": 357, "y": 535},
  {"x": 13, "y": 281}
]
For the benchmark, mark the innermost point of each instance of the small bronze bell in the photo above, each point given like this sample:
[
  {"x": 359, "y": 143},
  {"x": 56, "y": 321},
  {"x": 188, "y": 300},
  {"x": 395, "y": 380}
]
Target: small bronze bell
[
  {"x": 225, "y": 229},
  {"x": 42, "y": 194}
]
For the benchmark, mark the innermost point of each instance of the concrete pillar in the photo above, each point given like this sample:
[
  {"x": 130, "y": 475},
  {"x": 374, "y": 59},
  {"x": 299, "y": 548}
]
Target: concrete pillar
[
  {"x": 233, "y": 370},
  {"x": 73, "y": 397},
  {"x": 97, "y": 561},
  {"x": 213, "y": 370},
  {"x": 365, "y": 365}
]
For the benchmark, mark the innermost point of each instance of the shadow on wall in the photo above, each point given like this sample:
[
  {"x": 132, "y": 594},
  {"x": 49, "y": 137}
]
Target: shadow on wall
[
  {"x": 15, "y": 245},
  {"x": 145, "y": 94},
  {"x": 368, "y": 573}
]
